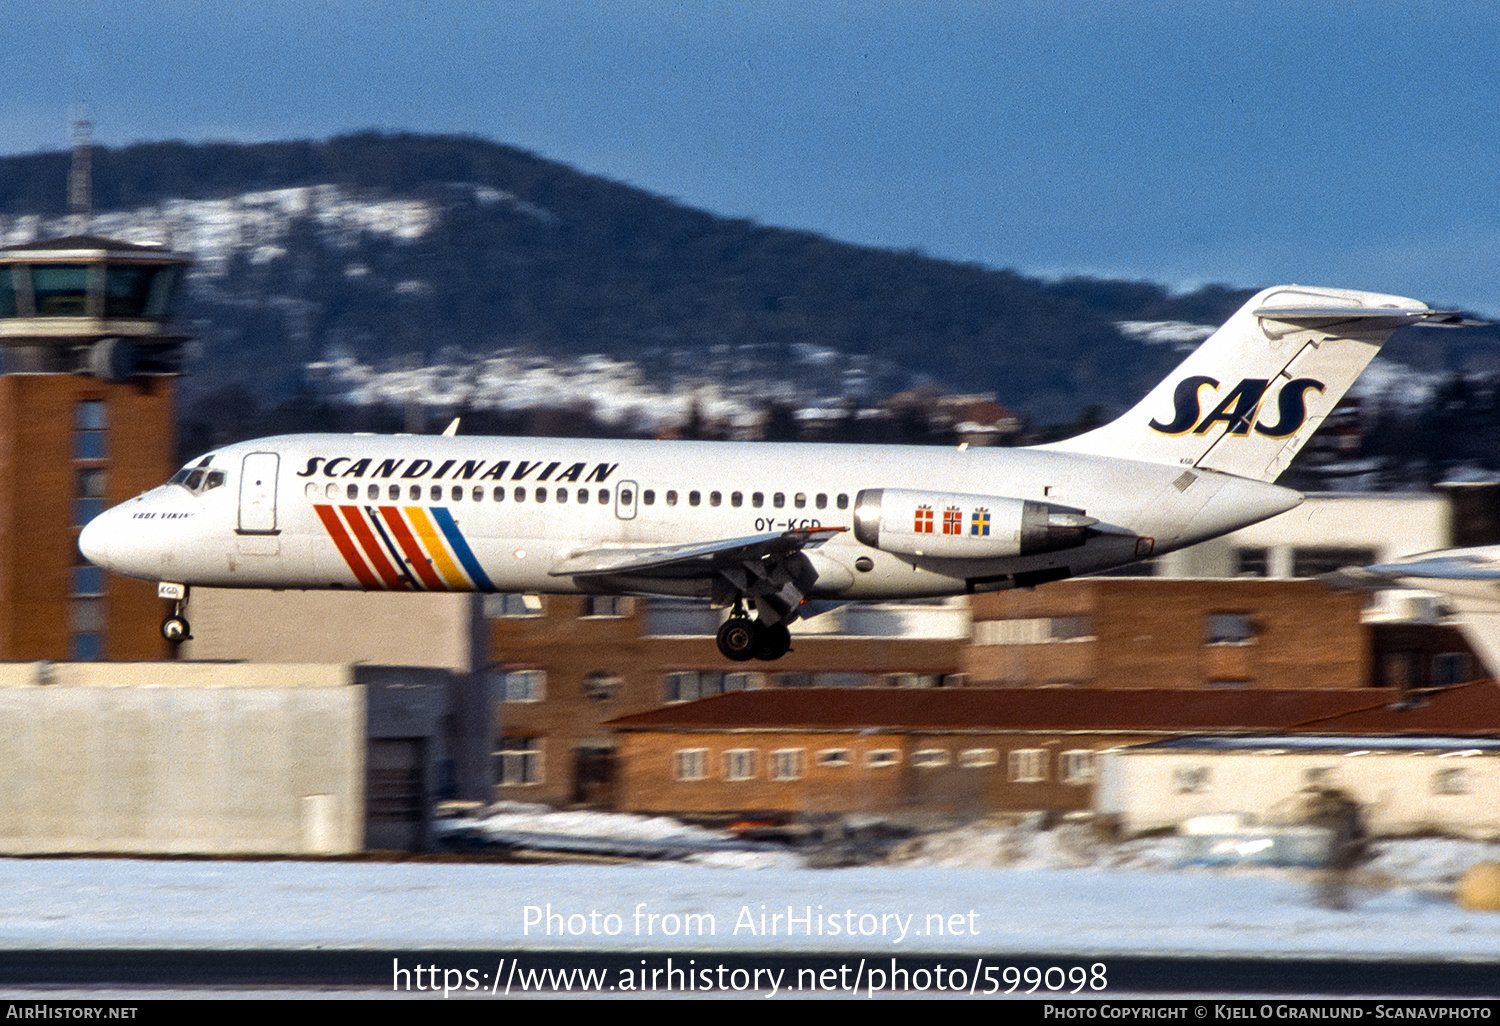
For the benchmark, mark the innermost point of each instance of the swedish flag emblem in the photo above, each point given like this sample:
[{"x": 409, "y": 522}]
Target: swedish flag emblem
[{"x": 979, "y": 522}]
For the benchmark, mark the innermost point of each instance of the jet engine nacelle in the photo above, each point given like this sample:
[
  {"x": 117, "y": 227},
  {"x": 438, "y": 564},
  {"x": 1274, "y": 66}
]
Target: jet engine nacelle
[{"x": 957, "y": 526}]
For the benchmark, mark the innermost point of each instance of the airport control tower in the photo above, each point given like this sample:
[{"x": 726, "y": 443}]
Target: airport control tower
[{"x": 88, "y": 352}]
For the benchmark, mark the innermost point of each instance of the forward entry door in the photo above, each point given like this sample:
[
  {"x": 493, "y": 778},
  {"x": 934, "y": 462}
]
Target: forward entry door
[{"x": 258, "y": 493}]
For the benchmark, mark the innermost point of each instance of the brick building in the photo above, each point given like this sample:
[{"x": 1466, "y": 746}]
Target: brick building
[
  {"x": 970, "y": 751},
  {"x": 1183, "y": 633},
  {"x": 562, "y": 666}
]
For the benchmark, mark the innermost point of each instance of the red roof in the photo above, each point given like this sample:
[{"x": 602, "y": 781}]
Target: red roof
[{"x": 1465, "y": 709}]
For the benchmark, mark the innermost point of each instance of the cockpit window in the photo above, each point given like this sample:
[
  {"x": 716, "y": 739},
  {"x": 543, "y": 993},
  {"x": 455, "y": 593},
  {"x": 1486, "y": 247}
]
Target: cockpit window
[{"x": 198, "y": 480}]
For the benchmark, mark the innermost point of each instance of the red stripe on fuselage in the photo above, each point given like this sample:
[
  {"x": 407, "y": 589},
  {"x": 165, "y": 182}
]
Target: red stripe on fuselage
[
  {"x": 372, "y": 548},
  {"x": 346, "y": 547},
  {"x": 419, "y": 561}
]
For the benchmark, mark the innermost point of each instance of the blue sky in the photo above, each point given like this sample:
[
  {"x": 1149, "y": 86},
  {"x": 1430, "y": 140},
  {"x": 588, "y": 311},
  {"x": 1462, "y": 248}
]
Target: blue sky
[{"x": 1257, "y": 142}]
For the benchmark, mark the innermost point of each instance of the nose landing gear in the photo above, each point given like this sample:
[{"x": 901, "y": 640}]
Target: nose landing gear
[{"x": 175, "y": 627}]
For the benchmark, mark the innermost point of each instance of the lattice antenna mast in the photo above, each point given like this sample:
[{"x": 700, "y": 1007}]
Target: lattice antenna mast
[{"x": 81, "y": 175}]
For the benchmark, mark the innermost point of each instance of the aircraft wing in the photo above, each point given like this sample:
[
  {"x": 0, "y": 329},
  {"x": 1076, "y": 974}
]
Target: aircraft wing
[{"x": 700, "y": 559}]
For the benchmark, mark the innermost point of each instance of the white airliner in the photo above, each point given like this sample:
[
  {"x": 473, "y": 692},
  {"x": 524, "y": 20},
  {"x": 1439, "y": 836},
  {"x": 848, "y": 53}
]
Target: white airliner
[{"x": 785, "y": 529}]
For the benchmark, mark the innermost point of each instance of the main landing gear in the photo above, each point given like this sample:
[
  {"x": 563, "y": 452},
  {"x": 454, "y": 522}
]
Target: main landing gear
[
  {"x": 175, "y": 627},
  {"x": 741, "y": 638}
]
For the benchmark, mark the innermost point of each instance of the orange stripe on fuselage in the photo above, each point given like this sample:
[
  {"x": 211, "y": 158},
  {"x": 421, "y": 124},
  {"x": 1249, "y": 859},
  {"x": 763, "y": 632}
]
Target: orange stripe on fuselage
[{"x": 346, "y": 547}]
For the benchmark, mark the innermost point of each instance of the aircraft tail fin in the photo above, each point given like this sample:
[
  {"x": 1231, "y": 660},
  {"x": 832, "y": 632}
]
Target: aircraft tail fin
[{"x": 1257, "y": 389}]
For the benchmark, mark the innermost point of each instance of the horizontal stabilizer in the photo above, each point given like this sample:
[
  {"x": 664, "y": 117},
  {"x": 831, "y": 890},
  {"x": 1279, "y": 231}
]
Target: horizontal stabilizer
[{"x": 1370, "y": 317}]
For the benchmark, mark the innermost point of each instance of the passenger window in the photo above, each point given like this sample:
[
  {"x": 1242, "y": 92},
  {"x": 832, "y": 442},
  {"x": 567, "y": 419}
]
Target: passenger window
[
  {"x": 416, "y": 493},
  {"x": 713, "y": 498},
  {"x": 583, "y": 495},
  {"x": 372, "y": 493},
  {"x": 648, "y": 497},
  {"x": 800, "y": 500},
  {"x": 499, "y": 493},
  {"x": 626, "y": 497},
  {"x": 332, "y": 490},
  {"x": 562, "y": 495},
  {"x": 693, "y": 498},
  {"x": 520, "y": 495},
  {"x": 671, "y": 498},
  {"x": 437, "y": 493},
  {"x": 757, "y": 499},
  {"x": 843, "y": 502},
  {"x": 393, "y": 492},
  {"x": 352, "y": 491},
  {"x": 541, "y": 495},
  {"x": 478, "y": 494},
  {"x": 604, "y": 496},
  {"x": 458, "y": 493},
  {"x": 778, "y": 500},
  {"x": 736, "y": 499},
  {"x": 822, "y": 501}
]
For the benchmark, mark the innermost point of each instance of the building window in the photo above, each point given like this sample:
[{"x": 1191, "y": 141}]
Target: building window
[
  {"x": 1450, "y": 668},
  {"x": 519, "y": 685},
  {"x": 911, "y": 680},
  {"x": 669, "y": 618},
  {"x": 882, "y": 757},
  {"x": 739, "y": 764},
  {"x": 977, "y": 758},
  {"x": 1078, "y": 766},
  {"x": 88, "y": 501},
  {"x": 1325, "y": 559},
  {"x": 606, "y": 605},
  {"x": 786, "y": 764},
  {"x": 1229, "y": 629},
  {"x": 507, "y": 605},
  {"x": 1191, "y": 779},
  {"x": 1028, "y": 765},
  {"x": 90, "y": 425},
  {"x": 518, "y": 761},
  {"x": 601, "y": 686},
  {"x": 691, "y": 763},
  {"x": 690, "y": 685},
  {"x": 834, "y": 757},
  {"x": 930, "y": 758},
  {"x": 1252, "y": 562},
  {"x": 1041, "y": 630},
  {"x": 1450, "y": 780}
]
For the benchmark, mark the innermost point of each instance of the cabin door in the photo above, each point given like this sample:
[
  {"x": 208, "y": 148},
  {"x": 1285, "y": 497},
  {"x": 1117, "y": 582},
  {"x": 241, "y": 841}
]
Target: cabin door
[{"x": 258, "y": 493}]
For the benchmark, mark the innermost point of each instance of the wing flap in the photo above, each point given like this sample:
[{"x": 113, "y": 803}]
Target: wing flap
[{"x": 695, "y": 559}]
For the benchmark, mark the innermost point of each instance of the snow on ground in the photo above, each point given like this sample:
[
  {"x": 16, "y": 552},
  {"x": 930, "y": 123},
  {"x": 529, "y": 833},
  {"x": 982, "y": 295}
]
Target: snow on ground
[{"x": 968, "y": 891}]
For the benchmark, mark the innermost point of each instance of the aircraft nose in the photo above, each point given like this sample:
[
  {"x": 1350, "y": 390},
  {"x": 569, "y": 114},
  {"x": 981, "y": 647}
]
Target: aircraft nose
[{"x": 94, "y": 540}]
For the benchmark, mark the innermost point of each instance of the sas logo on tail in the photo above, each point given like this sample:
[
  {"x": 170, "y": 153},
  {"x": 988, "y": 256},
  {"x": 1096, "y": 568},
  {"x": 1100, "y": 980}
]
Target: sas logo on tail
[{"x": 1237, "y": 411}]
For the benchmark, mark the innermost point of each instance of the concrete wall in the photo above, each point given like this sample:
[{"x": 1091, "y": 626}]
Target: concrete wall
[
  {"x": 382, "y": 628},
  {"x": 161, "y": 758}
]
